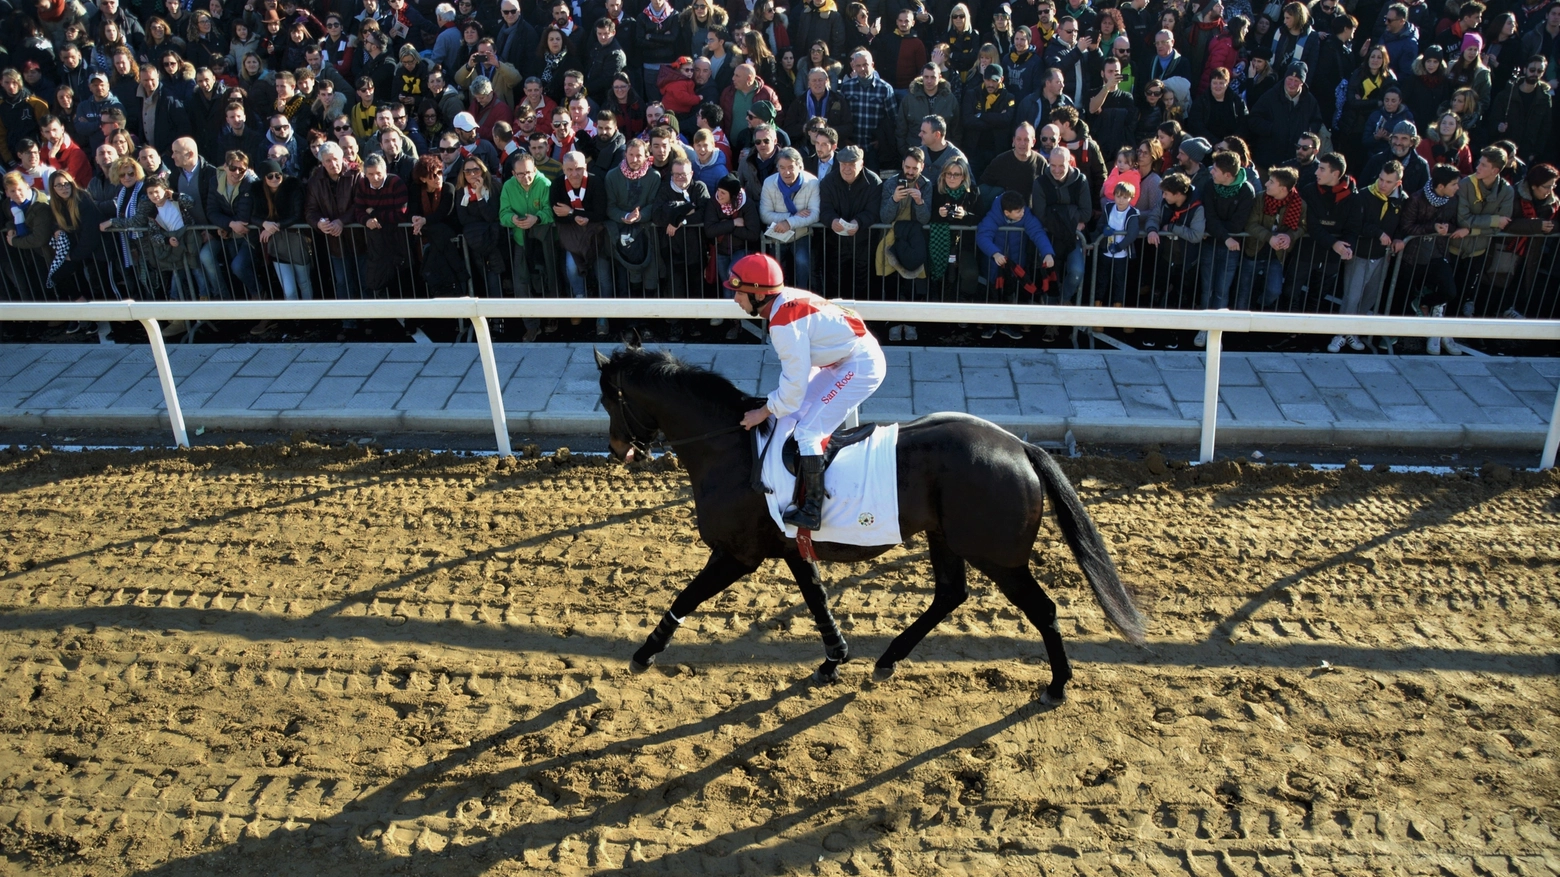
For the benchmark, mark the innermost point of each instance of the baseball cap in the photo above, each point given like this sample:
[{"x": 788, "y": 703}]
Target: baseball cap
[{"x": 465, "y": 122}]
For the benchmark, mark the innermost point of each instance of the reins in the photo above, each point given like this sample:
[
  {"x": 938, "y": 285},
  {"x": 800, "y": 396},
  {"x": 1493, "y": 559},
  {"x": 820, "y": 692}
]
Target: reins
[{"x": 638, "y": 426}]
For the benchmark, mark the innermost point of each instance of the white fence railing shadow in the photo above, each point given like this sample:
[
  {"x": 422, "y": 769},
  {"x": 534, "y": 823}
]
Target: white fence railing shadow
[{"x": 479, "y": 311}]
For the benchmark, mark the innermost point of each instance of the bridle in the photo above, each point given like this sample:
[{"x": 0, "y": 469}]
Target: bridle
[{"x": 636, "y": 426}]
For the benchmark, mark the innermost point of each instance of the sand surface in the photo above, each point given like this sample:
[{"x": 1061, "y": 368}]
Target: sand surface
[{"x": 303, "y": 660}]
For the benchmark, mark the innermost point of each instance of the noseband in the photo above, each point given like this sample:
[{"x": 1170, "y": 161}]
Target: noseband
[{"x": 636, "y": 427}]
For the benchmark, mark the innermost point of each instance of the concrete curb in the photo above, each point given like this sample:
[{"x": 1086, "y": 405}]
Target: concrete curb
[{"x": 1040, "y": 429}]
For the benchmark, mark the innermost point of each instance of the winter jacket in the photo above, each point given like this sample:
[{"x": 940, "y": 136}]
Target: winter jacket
[
  {"x": 21, "y": 116},
  {"x": 760, "y": 92},
  {"x": 1215, "y": 120},
  {"x": 329, "y": 200},
  {"x": 606, "y": 62},
  {"x": 157, "y": 245},
  {"x": 516, "y": 201},
  {"x": 1227, "y": 217},
  {"x": 657, "y": 43},
  {"x": 916, "y": 105},
  {"x": 1366, "y": 218},
  {"x": 504, "y": 76},
  {"x": 1528, "y": 118},
  {"x": 1417, "y": 226},
  {"x": 1416, "y": 171},
  {"x": 1477, "y": 207},
  {"x": 686, "y": 210},
  {"x": 1261, "y": 227},
  {"x": 1062, "y": 205},
  {"x": 1276, "y": 122},
  {"x": 722, "y": 230},
  {"x": 813, "y": 25},
  {"x": 678, "y": 92},
  {"x": 1402, "y": 47},
  {"x": 40, "y": 223},
  {"x": 857, "y": 202},
  {"x": 772, "y": 207},
  {"x": 996, "y": 234},
  {"x": 1325, "y": 210},
  {"x": 988, "y": 119},
  {"x": 838, "y": 112}
]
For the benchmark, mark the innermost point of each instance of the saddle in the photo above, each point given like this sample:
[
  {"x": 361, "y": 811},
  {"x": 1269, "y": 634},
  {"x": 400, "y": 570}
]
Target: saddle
[{"x": 841, "y": 438}]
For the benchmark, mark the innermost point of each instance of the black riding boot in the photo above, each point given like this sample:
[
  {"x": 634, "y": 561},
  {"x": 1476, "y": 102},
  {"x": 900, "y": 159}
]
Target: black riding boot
[{"x": 809, "y": 514}]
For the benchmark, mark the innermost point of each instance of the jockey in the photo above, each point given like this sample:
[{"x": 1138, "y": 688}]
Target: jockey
[{"x": 829, "y": 365}]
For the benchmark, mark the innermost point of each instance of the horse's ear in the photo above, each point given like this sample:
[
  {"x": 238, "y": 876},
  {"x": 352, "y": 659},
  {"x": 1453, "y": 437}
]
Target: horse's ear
[
  {"x": 637, "y": 341},
  {"x": 601, "y": 361}
]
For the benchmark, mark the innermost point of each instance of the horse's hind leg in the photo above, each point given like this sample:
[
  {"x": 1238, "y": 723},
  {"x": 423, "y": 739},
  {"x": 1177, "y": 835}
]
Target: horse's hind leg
[
  {"x": 952, "y": 590},
  {"x": 719, "y": 572},
  {"x": 835, "y": 649},
  {"x": 1018, "y": 584}
]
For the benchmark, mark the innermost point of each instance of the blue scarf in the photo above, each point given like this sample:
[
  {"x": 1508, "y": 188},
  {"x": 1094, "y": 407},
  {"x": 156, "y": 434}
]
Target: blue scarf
[
  {"x": 19, "y": 215},
  {"x": 818, "y": 109},
  {"x": 788, "y": 193}
]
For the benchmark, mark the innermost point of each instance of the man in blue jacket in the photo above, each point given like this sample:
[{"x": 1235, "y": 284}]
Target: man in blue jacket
[{"x": 1001, "y": 237}]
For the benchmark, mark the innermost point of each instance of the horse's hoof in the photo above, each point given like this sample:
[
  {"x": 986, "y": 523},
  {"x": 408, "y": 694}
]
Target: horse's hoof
[
  {"x": 1049, "y": 699},
  {"x": 883, "y": 672},
  {"x": 637, "y": 666},
  {"x": 827, "y": 673}
]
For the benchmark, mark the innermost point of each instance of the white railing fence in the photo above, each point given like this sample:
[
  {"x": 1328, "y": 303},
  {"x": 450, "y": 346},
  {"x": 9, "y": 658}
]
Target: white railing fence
[{"x": 479, "y": 311}]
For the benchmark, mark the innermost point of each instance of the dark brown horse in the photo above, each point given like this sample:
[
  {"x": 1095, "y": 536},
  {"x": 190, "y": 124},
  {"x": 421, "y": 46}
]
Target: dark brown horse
[{"x": 975, "y": 490}]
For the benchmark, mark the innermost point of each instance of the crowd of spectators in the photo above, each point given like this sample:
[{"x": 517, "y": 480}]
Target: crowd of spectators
[{"x": 585, "y": 147}]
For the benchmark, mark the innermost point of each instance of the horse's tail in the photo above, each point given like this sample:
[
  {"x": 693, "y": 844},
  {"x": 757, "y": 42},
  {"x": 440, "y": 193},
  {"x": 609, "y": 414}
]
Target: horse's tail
[{"x": 1088, "y": 547}]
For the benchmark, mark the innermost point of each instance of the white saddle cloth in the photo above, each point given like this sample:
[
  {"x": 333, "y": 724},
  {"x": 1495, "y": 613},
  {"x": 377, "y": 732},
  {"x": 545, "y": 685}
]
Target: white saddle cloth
[{"x": 863, "y": 483}]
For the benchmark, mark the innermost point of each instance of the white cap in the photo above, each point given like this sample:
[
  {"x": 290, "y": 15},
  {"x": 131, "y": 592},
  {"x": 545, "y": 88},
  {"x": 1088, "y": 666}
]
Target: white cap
[{"x": 465, "y": 122}]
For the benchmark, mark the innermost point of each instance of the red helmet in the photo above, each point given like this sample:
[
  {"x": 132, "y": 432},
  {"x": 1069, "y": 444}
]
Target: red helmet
[{"x": 756, "y": 274}]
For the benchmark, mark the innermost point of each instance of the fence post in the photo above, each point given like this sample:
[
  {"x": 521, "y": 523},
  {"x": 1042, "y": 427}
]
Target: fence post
[
  {"x": 490, "y": 377},
  {"x": 1210, "y": 416},
  {"x": 1552, "y": 439},
  {"x": 165, "y": 374}
]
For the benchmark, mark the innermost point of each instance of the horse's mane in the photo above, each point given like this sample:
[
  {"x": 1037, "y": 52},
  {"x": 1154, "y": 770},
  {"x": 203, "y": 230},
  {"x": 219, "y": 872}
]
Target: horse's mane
[{"x": 660, "y": 370}]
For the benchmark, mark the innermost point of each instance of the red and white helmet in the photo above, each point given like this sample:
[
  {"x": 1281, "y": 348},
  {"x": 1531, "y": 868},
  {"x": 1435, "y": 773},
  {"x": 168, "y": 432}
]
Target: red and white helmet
[{"x": 756, "y": 274}]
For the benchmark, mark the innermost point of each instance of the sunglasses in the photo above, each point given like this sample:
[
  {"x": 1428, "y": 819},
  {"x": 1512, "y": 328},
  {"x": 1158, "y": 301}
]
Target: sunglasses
[
  {"x": 509, "y": 12},
  {"x": 231, "y": 170},
  {"x": 1155, "y": 92},
  {"x": 564, "y": 124},
  {"x": 342, "y": 129},
  {"x": 472, "y": 170},
  {"x": 449, "y": 149},
  {"x": 280, "y": 128},
  {"x": 762, "y": 142},
  {"x": 273, "y": 176}
]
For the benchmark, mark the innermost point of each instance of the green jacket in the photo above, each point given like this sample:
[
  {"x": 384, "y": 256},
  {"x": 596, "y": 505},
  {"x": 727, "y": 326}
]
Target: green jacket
[{"x": 514, "y": 201}]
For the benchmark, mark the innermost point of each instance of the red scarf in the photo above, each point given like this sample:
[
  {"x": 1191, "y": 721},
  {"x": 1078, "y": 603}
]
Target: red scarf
[
  {"x": 732, "y": 208},
  {"x": 576, "y": 196},
  {"x": 651, "y": 14},
  {"x": 1287, "y": 210},
  {"x": 1529, "y": 211},
  {"x": 564, "y": 146},
  {"x": 1339, "y": 192},
  {"x": 629, "y": 174}
]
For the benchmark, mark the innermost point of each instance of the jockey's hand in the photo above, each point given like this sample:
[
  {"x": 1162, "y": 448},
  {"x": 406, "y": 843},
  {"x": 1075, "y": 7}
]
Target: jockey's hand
[
  {"x": 755, "y": 417},
  {"x": 1048, "y": 262}
]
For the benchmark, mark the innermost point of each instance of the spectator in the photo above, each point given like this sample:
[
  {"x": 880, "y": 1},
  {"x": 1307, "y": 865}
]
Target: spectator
[
  {"x": 1063, "y": 201},
  {"x": 732, "y": 223},
  {"x": 849, "y": 201},
  {"x": 1370, "y": 234},
  {"x": 1016, "y": 169},
  {"x": 60, "y": 152},
  {"x": 788, "y": 205},
  {"x": 1524, "y": 112},
  {"x": 1429, "y": 220},
  {"x": 1484, "y": 206},
  {"x": 1296, "y": 41},
  {"x": 818, "y": 101},
  {"x": 1534, "y": 214},
  {"x": 873, "y": 104},
  {"x": 1258, "y": 79},
  {"x": 1468, "y": 70},
  {"x": 77, "y": 238},
  {"x": 1446, "y": 142},
  {"x": 579, "y": 206},
  {"x": 1400, "y": 39},
  {"x": 1010, "y": 270},
  {"x": 1427, "y": 87},
  {"x": 955, "y": 198},
  {"x": 1306, "y": 159},
  {"x": 657, "y": 39},
  {"x": 328, "y": 208},
  {"x": 1220, "y": 112},
  {"x": 709, "y": 163},
  {"x": 465, "y": 126},
  {"x": 1023, "y": 64},
  {"x": 825, "y": 141},
  {"x": 1402, "y": 148},
  {"x": 230, "y": 207},
  {"x": 525, "y": 209},
  {"x": 379, "y": 203},
  {"x": 906, "y": 203},
  {"x": 759, "y": 163},
  {"x": 484, "y": 63},
  {"x": 606, "y": 61},
  {"x": 989, "y": 111},
  {"x": 1227, "y": 201},
  {"x": 1383, "y": 123},
  {"x": 746, "y": 92},
  {"x": 1119, "y": 230},
  {"x": 902, "y": 44},
  {"x": 1281, "y": 116},
  {"x": 1086, "y": 155},
  {"x": 607, "y": 147},
  {"x": 631, "y": 189},
  {"x": 935, "y": 145},
  {"x": 1176, "y": 231},
  {"x": 929, "y": 94},
  {"x": 278, "y": 206},
  {"x": 1276, "y": 225},
  {"x": 21, "y": 113}
]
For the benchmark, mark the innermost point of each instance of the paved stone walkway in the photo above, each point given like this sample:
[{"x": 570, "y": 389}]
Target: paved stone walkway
[{"x": 1110, "y": 396}]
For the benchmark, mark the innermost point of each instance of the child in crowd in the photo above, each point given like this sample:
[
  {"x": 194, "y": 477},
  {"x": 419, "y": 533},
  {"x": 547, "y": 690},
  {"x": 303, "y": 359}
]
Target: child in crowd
[
  {"x": 1001, "y": 238},
  {"x": 1116, "y": 242},
  {"x": 1176, "y": 232},
  {"x": 1125, "y": 171}
]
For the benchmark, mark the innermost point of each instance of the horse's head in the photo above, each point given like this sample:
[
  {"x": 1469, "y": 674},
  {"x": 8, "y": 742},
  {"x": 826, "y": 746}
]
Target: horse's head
[{"x": 631, "y": 429}]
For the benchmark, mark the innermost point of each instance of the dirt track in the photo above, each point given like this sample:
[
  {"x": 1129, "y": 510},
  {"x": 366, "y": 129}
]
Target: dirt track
[{"x": 311, "y": 661}]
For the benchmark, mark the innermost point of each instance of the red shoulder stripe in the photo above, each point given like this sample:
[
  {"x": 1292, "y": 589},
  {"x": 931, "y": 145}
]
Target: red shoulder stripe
[{"x": 791, "y": 311}]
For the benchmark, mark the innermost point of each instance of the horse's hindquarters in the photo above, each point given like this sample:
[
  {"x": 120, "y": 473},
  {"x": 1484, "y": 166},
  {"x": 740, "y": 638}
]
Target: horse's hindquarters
[{"x": 971, "y": 482}]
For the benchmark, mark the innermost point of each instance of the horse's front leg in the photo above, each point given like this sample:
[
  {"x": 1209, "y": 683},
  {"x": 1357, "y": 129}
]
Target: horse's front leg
[
  {"x": 719, "y": 572},
  {"x": 835, "y": 650}
]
